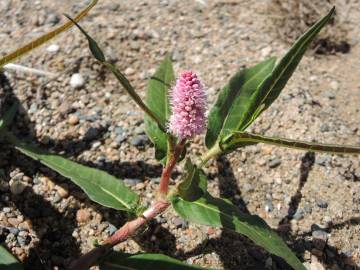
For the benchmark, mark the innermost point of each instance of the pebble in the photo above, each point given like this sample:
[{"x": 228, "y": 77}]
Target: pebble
[
  {"x": 323, "y": 160},
  {"x": 17, "y": 187},
  {"x": 52, "y": 18},
  {"x": 82, "y": 215},
  {"x": 132, "y": 181},
  {"x": 324, "y": 127},
  {"x": 269, "y": 207},
  {"x": 62, "y": 191},
  {"x": 14, "y": 221},
  {"x": 53, "y": 48},
  {"x": 77, "y": 81},
  {"x": 91, "y": 134},
  {"x": 111, "y": 229},
  {"x": 129, "y": 71},
  {"x": 73, "y": 119},
  {"x": 273, "y": 163},
  {"x": 321, "y": 203},
  {"x": 299, "y": 214},
  {"x": 319, "y": 239},
  {"x": 140, "y": 140},
  {"x": 180, "y": 223}
]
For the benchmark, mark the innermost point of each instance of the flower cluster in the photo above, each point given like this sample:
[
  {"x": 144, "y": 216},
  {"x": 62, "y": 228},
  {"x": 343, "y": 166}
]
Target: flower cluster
[{"x": 188, "y": 102}]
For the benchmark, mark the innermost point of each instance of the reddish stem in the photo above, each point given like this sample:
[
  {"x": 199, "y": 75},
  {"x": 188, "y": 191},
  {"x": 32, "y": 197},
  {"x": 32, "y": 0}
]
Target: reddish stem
[
  {"x": 129, "y": 229},
  {"x": 166, "y": 173}
]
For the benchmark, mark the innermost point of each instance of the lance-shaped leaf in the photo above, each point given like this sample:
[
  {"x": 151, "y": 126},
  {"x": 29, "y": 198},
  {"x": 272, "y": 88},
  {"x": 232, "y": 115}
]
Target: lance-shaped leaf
[
  {"x": 238, "y": 138},
  {"x": 8, "y": 261},
  {"x": 145, "y": 261},
  {"x": 44, "y": 38},
  {"x": 8, "y": 116},
  {"x": 157, "y": 99},
  {"x": 232, "y": 102},
  {"x": 270, "y": 88},
  {"x": 193, "y": 184},
  {"x": 100, "y": 186},
  {"x": 216, "y": 212},
  {"x": 99, "y": 55}
]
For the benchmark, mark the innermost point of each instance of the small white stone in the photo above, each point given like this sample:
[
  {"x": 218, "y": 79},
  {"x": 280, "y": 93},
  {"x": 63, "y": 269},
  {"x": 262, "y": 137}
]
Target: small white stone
[
  {"x": 266, "y": 51},
  {"x": 77, "y": 80},
  {"x": 53, "y": 48},
  {"x": 17, "y": 187}
]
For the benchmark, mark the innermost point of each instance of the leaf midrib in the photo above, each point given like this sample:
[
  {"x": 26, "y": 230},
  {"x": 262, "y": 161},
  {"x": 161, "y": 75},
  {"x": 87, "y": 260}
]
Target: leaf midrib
[
  {"x": 106, "y": 191},
  {"x": 54, "y": 166},
  {"x": 226, "y": 215},
  {"x": 243, "y": 86}
]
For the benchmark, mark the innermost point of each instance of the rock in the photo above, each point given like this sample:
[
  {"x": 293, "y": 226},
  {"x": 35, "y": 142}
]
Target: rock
[
  {"x": 140, "y": 186},
  {"x": 17, "y": 187},
  {"x": 91, "y": 134},
  {"x": 319, "y": 239},
  {"x": 14, "y": 222},
  {"x": 323, "y": 160},
  {"x": 113, "y": 6},
  {"x": 62, "y": 191},
  {"x": 132, "y": 181},
  {"x": 334, "y": 85},
  {"x": 324, "y": 127},
  {"x": 321, "y": 203},
  {"x": 129, "y": 71},
  {"x": 315, "y": 264},
  {"x": 299, "y": 214},
  {"x": 273, "y": 163},
  {"x": 77, "y": 81},
  {"x": 82, "y": 216},
  {"x": 52, "y": 18},
  {"x": 140, "y": 140},
  {"x": 56, "y": 198},
  {"x": 73, "y": 119},
  {"x": 111, "y": 229},
  {"x": 21, "y": 240},
  {"x": 53, "y": 48},
  {"x": 269, "y": 207},
  {"x": 13, "y": 230},
  {"x": 180, "y": 223},
  {"x": 330, "y": 95}
]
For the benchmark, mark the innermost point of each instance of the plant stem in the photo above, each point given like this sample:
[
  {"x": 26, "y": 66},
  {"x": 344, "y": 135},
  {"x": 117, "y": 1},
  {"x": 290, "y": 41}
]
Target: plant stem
[
  {"x": 213, "y": 152},
  {"x": 166, "y": 173},
  {"x": 129, "y": 229}
]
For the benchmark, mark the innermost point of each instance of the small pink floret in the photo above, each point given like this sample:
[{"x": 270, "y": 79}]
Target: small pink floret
[{"x": 188, "y": 102}]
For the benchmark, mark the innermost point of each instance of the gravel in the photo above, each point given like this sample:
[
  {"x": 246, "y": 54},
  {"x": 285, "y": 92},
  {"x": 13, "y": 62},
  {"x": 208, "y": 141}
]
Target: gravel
[{"x": 93, "y": 121}]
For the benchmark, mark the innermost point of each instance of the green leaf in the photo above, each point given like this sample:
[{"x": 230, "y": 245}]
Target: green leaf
[
  {"x": 44, "y": 38},
  {"x": 270, "y": 88},
  {"x": 8, "y": 261},
  {"x": 157, "y": 99},
  {"x": 146, "y": 261},
  {"x": 193, "y": 184},
  {"x": 216, "y": 212},
  {"x": 9, "y": 116},
  {"x": 99, "y": 55},
  {"x": 233, "y": 101},
  {"x": 100, "y": 186},
  {"x": 238, "y": 138}
]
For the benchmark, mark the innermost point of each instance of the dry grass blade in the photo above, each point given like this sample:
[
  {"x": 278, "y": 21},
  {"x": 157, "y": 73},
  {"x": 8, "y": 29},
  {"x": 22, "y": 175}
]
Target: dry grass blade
[{"x": 45, "y": 38}]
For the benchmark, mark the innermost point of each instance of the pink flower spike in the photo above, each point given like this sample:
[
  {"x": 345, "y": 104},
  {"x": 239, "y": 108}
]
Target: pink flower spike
[{"x": 188, "y": 102}]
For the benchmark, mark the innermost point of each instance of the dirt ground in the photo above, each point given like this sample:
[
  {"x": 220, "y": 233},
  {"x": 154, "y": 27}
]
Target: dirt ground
[{"x": 312, "y": 200}]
